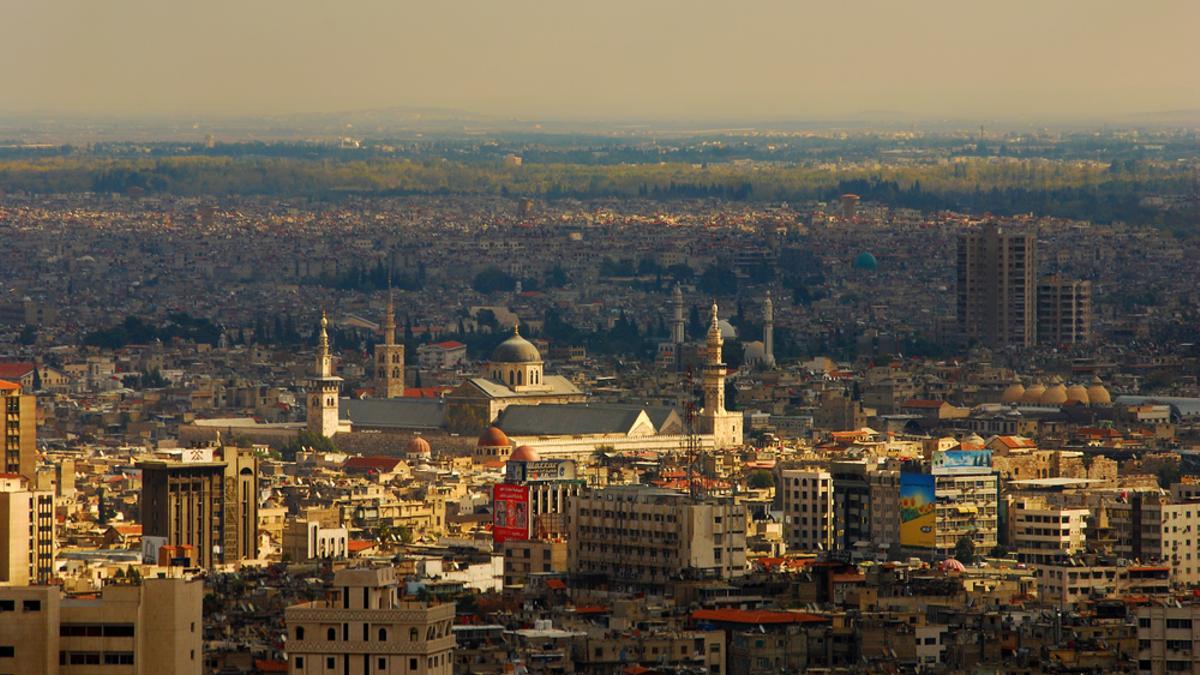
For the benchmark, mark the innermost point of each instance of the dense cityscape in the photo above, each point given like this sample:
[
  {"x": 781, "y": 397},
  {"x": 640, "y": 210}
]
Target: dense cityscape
[
  {"x": 898, "y": 439},
  {"x": 526, "y": 338}
]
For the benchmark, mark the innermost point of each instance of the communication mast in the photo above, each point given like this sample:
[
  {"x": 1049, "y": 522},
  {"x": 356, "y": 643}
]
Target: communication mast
[{"x": 693, "y": 451}]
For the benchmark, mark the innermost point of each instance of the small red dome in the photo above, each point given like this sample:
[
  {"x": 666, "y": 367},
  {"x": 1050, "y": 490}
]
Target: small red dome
[
  {"x": 418, "y": 446},
  {"x": 952, "y": 565},
  {"x": 524, "y": 454},
  {"x": 493, "y": 438}
]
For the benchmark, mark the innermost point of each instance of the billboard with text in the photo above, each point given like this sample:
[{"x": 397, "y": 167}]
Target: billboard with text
[
  {"x": 510, "y": 512},
  {"x": 918, "y": 510}
]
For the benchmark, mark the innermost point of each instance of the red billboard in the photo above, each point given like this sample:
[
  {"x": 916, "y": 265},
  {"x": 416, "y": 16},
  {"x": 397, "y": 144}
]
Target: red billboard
[{"x": 510, "y": 512}]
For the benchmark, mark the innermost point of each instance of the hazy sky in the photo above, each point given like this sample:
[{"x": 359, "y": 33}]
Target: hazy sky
[{"x": 603, "y": 59}]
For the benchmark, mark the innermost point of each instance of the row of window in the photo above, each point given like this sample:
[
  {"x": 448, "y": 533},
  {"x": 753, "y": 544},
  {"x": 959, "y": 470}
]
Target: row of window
[
  {"x": 1172, "y": 666},
  {"x": 625, "y": 515},
  {"x": 435, "y": 631},
  {"x": 95, "y": 658},
  {"x": 95, "y": 630},
  {"x": 381, "y": 662},
  {"x": 26, "y": 605}
]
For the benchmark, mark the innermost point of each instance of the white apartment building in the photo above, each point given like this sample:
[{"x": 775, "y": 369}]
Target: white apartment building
[{"x": 808, "y": 523}]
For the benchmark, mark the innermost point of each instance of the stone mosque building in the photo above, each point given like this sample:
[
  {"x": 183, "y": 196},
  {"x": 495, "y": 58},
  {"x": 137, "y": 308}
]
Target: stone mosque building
[{"x": 512, "y": 393}]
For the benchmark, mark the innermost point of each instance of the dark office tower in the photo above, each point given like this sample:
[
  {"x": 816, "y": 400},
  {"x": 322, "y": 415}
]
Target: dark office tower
[
  {"x": 997, "y": 286},
  {"x": 1064, "y": 311},
  {"x": 207, "y": 503}
]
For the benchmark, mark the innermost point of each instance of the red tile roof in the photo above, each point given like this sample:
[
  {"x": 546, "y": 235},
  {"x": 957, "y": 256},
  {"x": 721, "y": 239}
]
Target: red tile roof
[
  {"x": 756, "y": 616},
  {"x": 371, "y": 463},
  {"x": 923, "y": 403},
  {"x": 15, "y": 371},
  {"x": 448, "y": 344},
  {"x": 359, "y": 545}
]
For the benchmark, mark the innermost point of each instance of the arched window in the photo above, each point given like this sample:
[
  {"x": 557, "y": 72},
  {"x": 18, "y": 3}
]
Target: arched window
[
  {"x": 520, "y": 376},
  {"x": 511, "y": 380},
  {"x": 299, "y": 632},
  {"x": 395, "y": 358},
  {"x": 395, "y": 372},
  {"x": 383, "y": 635},
  {"x": 413, "y": 635},
  {"x": 331, "y": 635}
]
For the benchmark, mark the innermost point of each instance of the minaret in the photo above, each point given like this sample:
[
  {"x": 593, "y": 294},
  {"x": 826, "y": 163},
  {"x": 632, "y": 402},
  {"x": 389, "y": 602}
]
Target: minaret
[
  {"x": 677, "y": 334},
  {"x": 389, "y": 357},
  {"x": 725, "y": 427},
  {"x": 768, "y": 310},
  {"x": 714, "y": 370},
  {"x": 323, "y": 388}
]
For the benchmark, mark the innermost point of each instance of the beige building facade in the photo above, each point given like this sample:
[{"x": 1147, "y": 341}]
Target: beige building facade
[
  {"x": 365, "y": 627},
  {"x": 26, "y": 533},
  {"x": 644, "y": 536},
  {"x": 147, "y": 629}
]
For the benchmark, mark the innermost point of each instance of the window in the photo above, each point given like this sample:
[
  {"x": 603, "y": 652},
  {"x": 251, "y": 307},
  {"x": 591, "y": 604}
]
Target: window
[
  {"x": 412, "y": 663},
  {"x": 413, "y": 636},
  {"x": 7, "y": 652},
  {"x": 8, "y": 605},
  {"x": 299, "y": 661},
  {"x": 329, "y": 662},
  {"x": 299, "y": 632},
  {"x": 31, "y": 605},
  {"x": 382, "y": 663},
  {"x": 331, "y": 634},
  {"x": 383, "y": 635},
  {"x": 118, "y": 658},
  {"x": 1179, "y": 623}
]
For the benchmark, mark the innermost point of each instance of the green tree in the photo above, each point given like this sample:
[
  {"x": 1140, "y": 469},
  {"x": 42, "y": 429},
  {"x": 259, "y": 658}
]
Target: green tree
[
  {"x": 964, "y": 550},
  {"x": 306, "y": 440},
  {"x": 492, "y": 280},
  {"x": 718, "y": 281},
  {"x": 761, "y": 479}
]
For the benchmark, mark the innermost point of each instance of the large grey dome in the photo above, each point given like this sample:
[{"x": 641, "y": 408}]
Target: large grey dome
[{"x": 516, "y": 349}]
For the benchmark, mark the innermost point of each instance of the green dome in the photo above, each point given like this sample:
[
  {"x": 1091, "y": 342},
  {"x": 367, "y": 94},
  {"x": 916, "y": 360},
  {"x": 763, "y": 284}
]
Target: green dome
[{"x": 866, "y": 261}]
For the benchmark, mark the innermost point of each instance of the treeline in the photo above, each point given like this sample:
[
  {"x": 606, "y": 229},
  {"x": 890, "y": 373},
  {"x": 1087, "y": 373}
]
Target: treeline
[
  {"x": 368, "y": 279},
  {"x": 136, "y": 330},
  {"x": 1085, "y": 190}
]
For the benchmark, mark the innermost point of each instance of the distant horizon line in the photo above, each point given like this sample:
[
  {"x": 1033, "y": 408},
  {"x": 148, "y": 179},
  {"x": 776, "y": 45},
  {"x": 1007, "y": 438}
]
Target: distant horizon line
[{"x": 441, "y": 115}]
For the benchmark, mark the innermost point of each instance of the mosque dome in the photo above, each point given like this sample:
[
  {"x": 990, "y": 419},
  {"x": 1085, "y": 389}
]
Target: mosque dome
[
  {"x": 1055, "y": 394},
  {"x": 1013, "y": 393},
  {"x": 728, "y": 331},
  {"x": 1033, "y": 394},
  {"x": 866, "y": 261},
  {"x": 1097, "y": 394},
  {"x": 1078, "y": 393},
  {"x": 493, "y": 438},
  {"x": 524, "y": 454},
  {"x": 418, "y": 446},
  {"x": 516, "y": 349}
]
